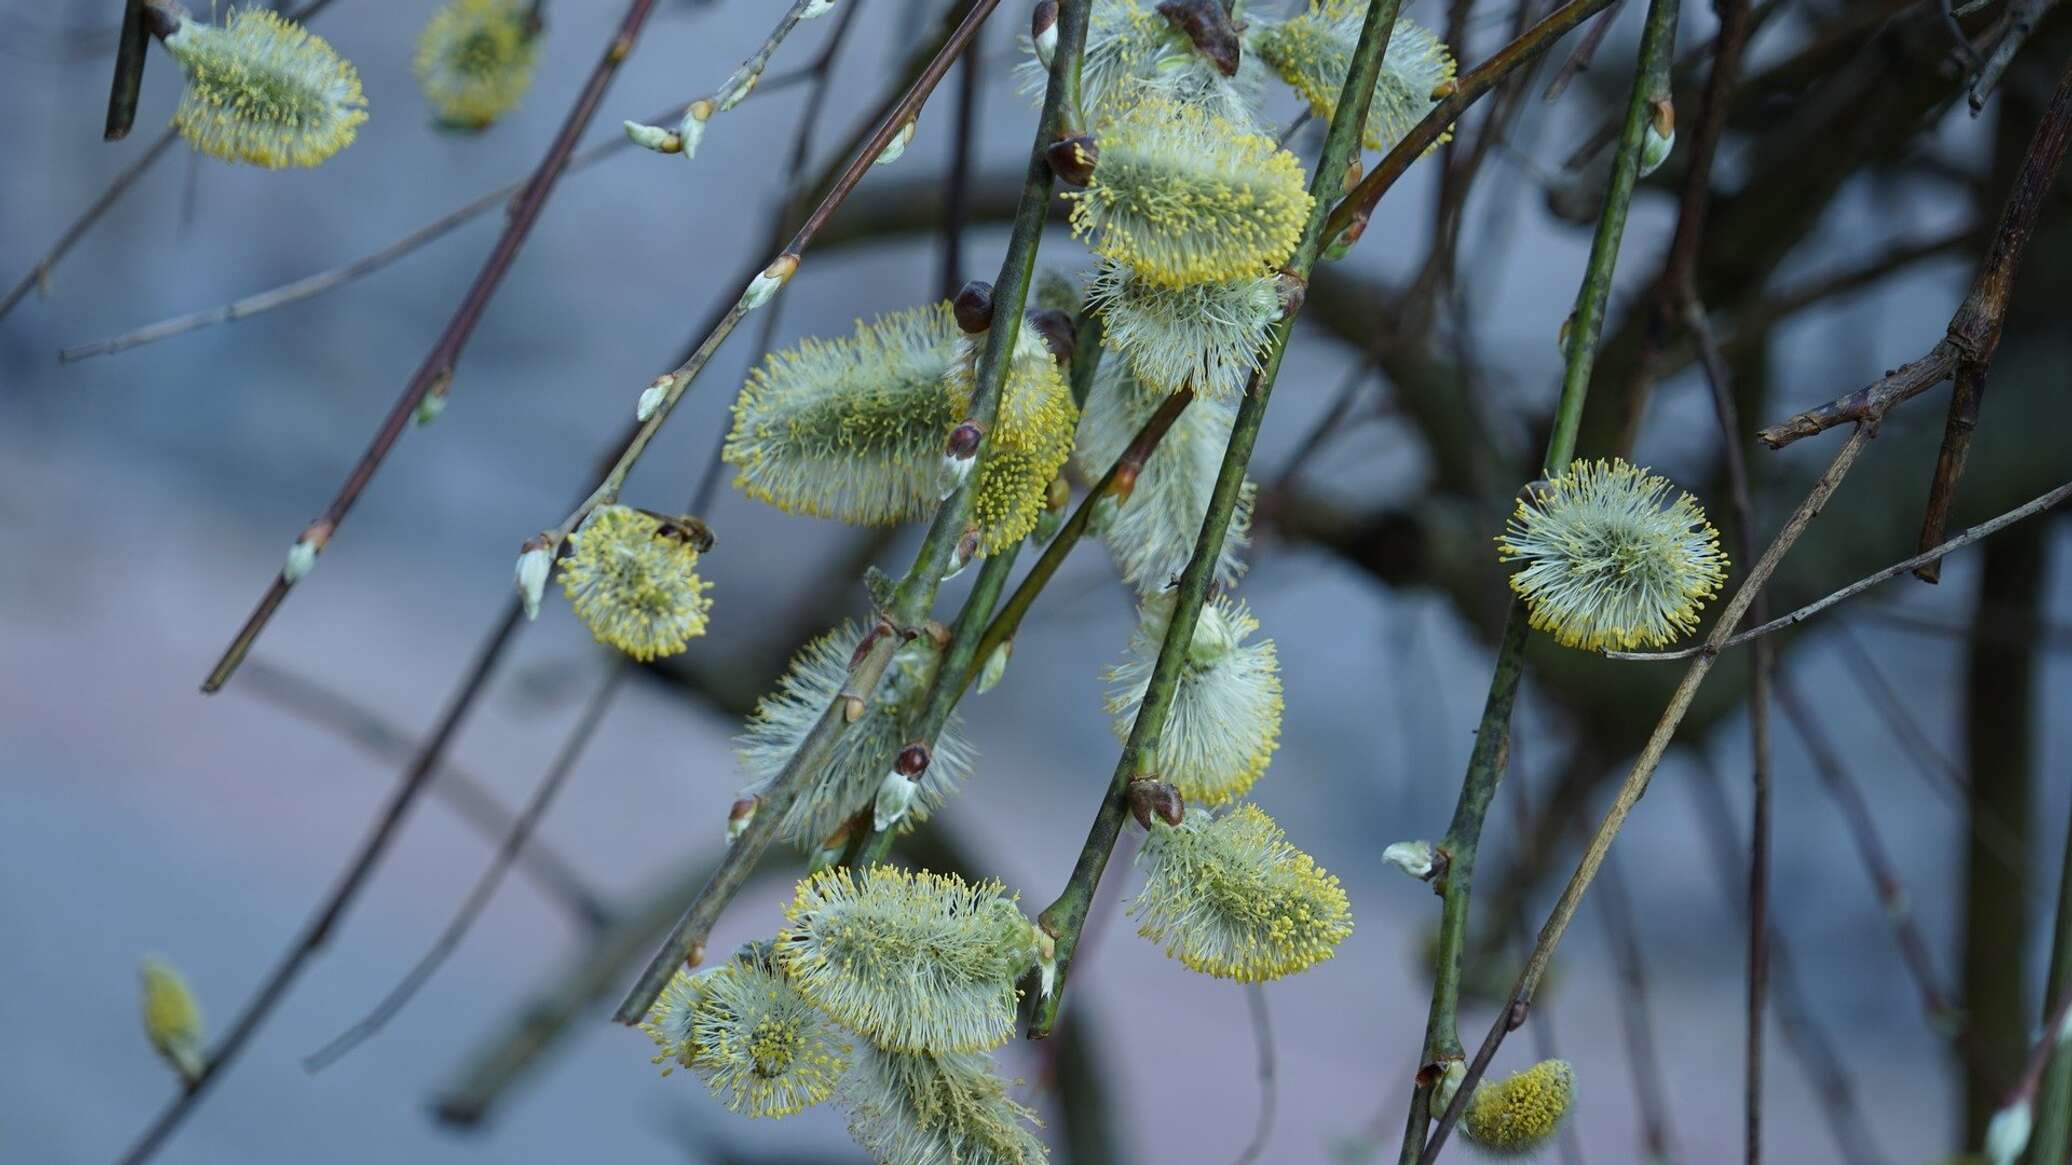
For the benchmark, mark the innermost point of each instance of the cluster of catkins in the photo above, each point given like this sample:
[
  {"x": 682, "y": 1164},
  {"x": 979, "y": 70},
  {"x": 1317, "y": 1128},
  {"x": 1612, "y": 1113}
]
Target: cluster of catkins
[
  {"x": 885, "y": 989},
  {"x": 262, "y": 89}
]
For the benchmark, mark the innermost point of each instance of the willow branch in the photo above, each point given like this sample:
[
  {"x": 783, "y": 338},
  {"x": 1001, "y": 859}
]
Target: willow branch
[
  {"x": 1985, "y": 309},
  {"x": 130, "y": 52},
  {"x": 915, "y": 594},
  {"x": 1064, "y": 918},
  {"x": 675, "y": 383},
  {"x": 485, "y": 886},
  {"x": 464, "y": 793},
  {"x": 317, "y": 283},
  {"x": 435, "y": 374},
  {"x": 731, "y": 92},
  {"x": 1486, "y": 761},
  {"x": 1262, "y": 1047},
  {"x": 1977, "y": 533},
  {"x": 1469, "y": 88},
  {"x": 2054, "y": 1102},
  {"x": 39, "y": 274}
]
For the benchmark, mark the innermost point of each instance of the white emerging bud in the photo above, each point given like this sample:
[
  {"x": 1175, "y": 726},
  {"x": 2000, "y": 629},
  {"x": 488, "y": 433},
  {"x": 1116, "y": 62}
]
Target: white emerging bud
[
  {"x": 535, "y": 560},
  {"x": 740, "y": 816},
  {"x": 897, "y": 146},
  {"x": 1449, "y": 1084},
  {"x": 895, "y": 793},
  {"x": 301, "y": 557},
  {"x": 817, "y": 8},
  {"x": 768, "y": 280},
  {"x": 1412, "y": 857},
  {"x": 1654, "y": 150},
  {"x": 1044, "y": 34},
  {"x": 430, "y": 407},
  {"x": 955, "y": 471},
  {"x": 2007, "y": 1134},
  {"x": 1046, "y": 962},
  {"x": 995, "y": 666},
  {"x": 654, "y": 137},
  {"x": 651, "y": 398}
]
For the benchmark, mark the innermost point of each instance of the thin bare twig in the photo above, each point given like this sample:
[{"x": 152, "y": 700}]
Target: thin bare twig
[
  {"x": 130, "y": 52},
  {"x": 1262, "y": 1045},
  {"x": 1578, "y": 61},
  {"x": 1943, "y": 1017},
  {"x": 39, "y": 274},
  {"x": 1987, "y": 304},
  {"x": 1977, "y": 533},
  {"x": 464, "y": 793},
  {"x": 486, "y": 885},
  {"x": 1974, "y": 330},
  {"x": 434, "y": 375}
]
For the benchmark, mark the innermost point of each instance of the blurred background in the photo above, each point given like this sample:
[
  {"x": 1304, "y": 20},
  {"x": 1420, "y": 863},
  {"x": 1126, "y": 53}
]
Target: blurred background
[{"x": 146, "y": 498}]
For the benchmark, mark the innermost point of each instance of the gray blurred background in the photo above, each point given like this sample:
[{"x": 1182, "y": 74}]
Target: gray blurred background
[{"x": 146, "y": 498}]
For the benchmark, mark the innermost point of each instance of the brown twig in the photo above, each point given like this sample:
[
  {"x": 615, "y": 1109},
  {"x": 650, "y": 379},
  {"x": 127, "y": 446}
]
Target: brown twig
[
  {"x": 486, "y": 885},
  {"x": 1944, "y": 1018},
  {"x": 1976, "y": 330},
  {"x": 317, "y": 931},
  {"x": 1977, "y": 533},
  {"x": 1469, "y": 88},
  {"x": 1262, "y": 1044},
  {"x": 1578, "y": 61},
  {"x": 435, "y": 374},
  {"x": 1795, "y": 1016},
  {"x": 39, "y": 274},
  {"x": 464, "y": 793}
]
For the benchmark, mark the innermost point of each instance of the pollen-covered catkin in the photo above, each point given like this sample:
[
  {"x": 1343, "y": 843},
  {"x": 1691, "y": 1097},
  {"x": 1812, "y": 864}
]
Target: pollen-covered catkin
[
  {"x": 915, "y": 962},
  {"x": 1230, "y": 897},
  {"x": 1133, "y": 50},
  {"x": 863, "y": 754},
  {"x": 922, "y": 1108},
  {"x": 1313, "y": 50},
  {"x": 1224, "y": 720},
  {"x": 632, "y": 578},
  {"x": 1616, "y": 557},
  {"x": 851, "y": 429},
  {"x": 758, "y": 1045},
  {"x": 475, "y": 59},
  {"x": 1182, "y": 196},
  {"x": 1204, "y": 336},
  {"x": 1151, "y": 536},
  {"x": 264, "y": 90},
  {"x": 1030, "y": 441},
  {"x": 1517, "y": 1116}
]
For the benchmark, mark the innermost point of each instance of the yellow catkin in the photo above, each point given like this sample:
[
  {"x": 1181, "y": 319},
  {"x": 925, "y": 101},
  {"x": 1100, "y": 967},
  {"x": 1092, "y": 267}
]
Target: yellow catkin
[
  {"x": 264, "y": 90},
  {"x": 1031, "y": 440},
  {"x": 1182, "y": 196},
  {"x": 1313, "y": 50},
  {"x": 1231, "y": 898},
  {"x": 633, "y": 580},
  {"x": 475, "y": 59},
  {"x": 1518, "y": 1115}
]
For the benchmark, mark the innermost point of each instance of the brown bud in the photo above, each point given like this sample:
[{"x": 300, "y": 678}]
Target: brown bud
[
  {"x": 1058, "y": 494},
  {"x": 1354, "y": 171},
  {"x": 1043, "y": 19},
  {"x": 1149, "y": 795},
  {"x": 963, "y": 442},
  {"x": 852, "y": 708},
  {"x": 937, "y": 634},
  {"x": 973, "y": 307},
  {"x": 1663, "y": 115},
  {"x": 1058, "y": 330},
  {"x": 1208, "y": 25},
  {"x": 742, "y": 808},
  {"x": 1293, "y": 289},
  {"x": 1073, "y": 158},
  {"x": 913, "y": 761}
]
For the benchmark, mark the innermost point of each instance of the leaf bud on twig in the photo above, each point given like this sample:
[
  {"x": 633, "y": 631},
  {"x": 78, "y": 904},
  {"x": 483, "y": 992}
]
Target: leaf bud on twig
[
  {"x": 1150, "y": 796},
  {"x": 1412, "y": 857},
  {"x": 741, "y": 815},
  {"x": 768, "y": 280},
  {"x": 1043, "y": 30},
  {"x": 1073, "y": 159},
  {"x": 651, "y": 397},
  {"x": 303, "y": 554},
  {"x": 535, "y": 561},
  {"x": 897, "y": 146},
  {"x": 895, "y": 793},
  {"x": 989, "y": 673},
  {"x": 973, "y": 307}
]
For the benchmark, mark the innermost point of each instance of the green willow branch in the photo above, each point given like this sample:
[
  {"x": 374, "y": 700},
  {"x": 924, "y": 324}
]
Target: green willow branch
[
  {"x": 1454, "y": 880},
  {"x": 2054, "y": 1100},
  {"x": 1063, "y": 919},
  {"x": 1636, "y": 781},
  {"x": 915, "y": 595}
]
